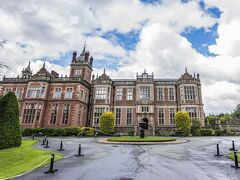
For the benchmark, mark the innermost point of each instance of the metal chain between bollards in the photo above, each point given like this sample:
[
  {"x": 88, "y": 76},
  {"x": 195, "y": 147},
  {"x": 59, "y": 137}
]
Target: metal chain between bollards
[{"x": 68, "y": 155}]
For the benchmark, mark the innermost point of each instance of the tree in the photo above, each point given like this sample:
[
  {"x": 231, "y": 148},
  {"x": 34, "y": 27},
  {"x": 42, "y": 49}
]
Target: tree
[
  {"x": 182, "y": 121},
  {"x": 107, "y": 122},
  {"x": 236, "y": 112},
  {"x": 10, "y": 134},
  {"x": 225, "y": 118},
  {"x": 212, "y": 120},
  {"x": 196, "y": 127}
]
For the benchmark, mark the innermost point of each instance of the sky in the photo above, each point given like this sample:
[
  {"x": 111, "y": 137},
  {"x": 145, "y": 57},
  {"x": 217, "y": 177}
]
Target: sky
[{"x": 128, "y": 36}]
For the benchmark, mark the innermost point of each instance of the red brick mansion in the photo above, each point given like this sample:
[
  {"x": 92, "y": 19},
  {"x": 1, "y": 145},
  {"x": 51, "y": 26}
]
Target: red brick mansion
[{"x": 47, "y": 100}]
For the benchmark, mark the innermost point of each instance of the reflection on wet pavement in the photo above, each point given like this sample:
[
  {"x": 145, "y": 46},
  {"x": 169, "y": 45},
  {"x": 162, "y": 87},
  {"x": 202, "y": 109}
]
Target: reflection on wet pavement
[{"x": 189, "y": 161}]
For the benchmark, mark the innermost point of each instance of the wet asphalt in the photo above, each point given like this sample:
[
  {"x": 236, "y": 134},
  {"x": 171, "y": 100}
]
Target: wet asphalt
[{"x": 194, "y": 160}]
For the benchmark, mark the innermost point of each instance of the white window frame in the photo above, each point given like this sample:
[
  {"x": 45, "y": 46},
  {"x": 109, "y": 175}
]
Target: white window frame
[
  {"x": 57, "y": 94},
  {"x": 129, "y": 116},
  {"x": 145, "y": 92},
  {"x": 161, "y": 116},
  {"x": 100, "y": 92},
  {"x": 129, "y": 94},
  {"x": 68, "y": 93},
  {"x": 119, "y": 93},
  {"x": 160, "y": 95},
  {"x": 118, "y": 115},
  {"x": 78, "y": 72},
  {"x": 189, "y": 93},
  {"x": 171, "y": 94}
]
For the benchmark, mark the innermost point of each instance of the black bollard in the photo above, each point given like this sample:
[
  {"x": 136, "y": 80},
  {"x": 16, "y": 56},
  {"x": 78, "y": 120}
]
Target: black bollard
[
  {"x": 61, "y": 147},
  {"x": 51, "y": 170},
  {"x": 218, "y": 153},
  {"x": 45, "y": 138},
  {"x": 79, "y": 151},
  {"x": 33, "y": 137},
  {"x": 46, "y": 146},
  {"x": 233, "y": 147},
  {"x": 235, "y": 160},
  {"x": 43, "y": 142}
]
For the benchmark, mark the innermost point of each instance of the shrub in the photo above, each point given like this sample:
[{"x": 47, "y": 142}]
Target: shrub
[
  {"x": 107, "y": 122},
  {"x": 196, "y": 127},
  {"x": 207, "y": 132},
  {"x": 86, "y": 131},
  {"x": 130, "y": 133},
  {"x": 220, "y": 132},
  {"x": 70, "y": 131},
  {"x": 182, "y": 121},
  {"x": 10, "y": 134}
]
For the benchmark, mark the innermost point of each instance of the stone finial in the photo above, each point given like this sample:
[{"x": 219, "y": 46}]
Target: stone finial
[
  {"x": 104, "y": 71},
  {"x": 74, "y": 56},
  {"x": 91, "y": 60},
  {"x": 93, "y": 77},
  {"x": 198, "y": 76},
  {"x": 185, "y": 69}
]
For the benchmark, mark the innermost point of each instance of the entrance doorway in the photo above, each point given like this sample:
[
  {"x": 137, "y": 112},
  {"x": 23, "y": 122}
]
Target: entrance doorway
[{"x": 145, "y": 120}]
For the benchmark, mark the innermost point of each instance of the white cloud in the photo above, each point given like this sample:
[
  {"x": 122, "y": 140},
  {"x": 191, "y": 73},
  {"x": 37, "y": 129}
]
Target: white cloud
[{"x": 50, "y": 28}]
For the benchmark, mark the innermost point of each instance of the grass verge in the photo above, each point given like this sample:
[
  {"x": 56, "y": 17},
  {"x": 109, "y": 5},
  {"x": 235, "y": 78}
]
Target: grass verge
[
  {"x": 18, "y": 160},
  {"x": 138, "y": 139}
]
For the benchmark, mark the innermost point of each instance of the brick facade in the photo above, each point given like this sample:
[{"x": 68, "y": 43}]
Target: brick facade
[{"x": 47, "y": 100}]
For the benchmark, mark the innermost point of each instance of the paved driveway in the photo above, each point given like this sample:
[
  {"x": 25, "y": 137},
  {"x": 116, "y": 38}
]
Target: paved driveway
[{"x": 190, "y": 161}]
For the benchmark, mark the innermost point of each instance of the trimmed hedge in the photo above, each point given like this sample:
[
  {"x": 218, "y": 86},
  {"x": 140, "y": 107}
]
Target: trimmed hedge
[
  {"x": 87, "y": 131},
  {"x": 70, "y": 131},
  {"x": 207, "y": 132},
  {"x": 10, "y": 134},
  {"x": 220, "y": 132},
  {"x": 107, "y": 123},
  {"x": 182, "y": 121}
]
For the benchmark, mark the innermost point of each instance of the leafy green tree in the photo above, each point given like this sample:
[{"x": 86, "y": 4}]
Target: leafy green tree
[
  {"x": 212, "y": 120},
  {"x": 10, "y": 134},
  {"x": 225, "y": 118},
  {"x": 107, "y": 122},
  {"x": 182, "y": 121},
  {"x": 236, "y": 112},
  {"x": 196, "y": 127}
]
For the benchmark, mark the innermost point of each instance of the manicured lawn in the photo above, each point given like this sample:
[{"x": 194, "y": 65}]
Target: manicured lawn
[
  {"x": 138, "y": 139},
  {"x": 15, "y": 161}
]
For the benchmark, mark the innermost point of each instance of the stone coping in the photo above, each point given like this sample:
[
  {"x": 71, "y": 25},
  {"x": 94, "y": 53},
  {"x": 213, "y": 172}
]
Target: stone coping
[{"x": 177, "y": 141}]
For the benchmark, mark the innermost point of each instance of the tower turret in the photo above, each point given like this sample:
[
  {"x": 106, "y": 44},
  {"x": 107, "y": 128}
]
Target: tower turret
[
  {"x": 81, "y": 66},
  {"x": 27, "y": 72}
]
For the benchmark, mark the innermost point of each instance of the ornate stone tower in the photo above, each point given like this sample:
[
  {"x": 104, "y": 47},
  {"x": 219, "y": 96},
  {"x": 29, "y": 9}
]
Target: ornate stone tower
[
  {"x": 81, "y": 66},
  {"x": 27, "y": 72}
]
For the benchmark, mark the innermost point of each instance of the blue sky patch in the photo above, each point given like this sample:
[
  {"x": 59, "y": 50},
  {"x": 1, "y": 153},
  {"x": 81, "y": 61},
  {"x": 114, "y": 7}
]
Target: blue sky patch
[
  {"x": 64, "y": 59},
  {"x": 108, "y": 62},
  {"x": 201, "y": 38},
  {"x": 127, "y": 40},
  {"x": 213, "y": 11},
  {"x": 151, "y": 1}
]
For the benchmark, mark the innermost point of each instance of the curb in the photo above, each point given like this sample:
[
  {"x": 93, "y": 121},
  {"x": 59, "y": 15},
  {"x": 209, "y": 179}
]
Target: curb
[{"x": 178, "y": 141}]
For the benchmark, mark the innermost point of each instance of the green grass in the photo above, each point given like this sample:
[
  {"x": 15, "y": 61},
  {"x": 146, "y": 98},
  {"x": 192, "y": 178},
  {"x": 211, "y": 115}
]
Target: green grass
[
  {"x": 230, "y": 156},
  {"x": 138, "y": 139},
  {"x": 17, "y": 160}
]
